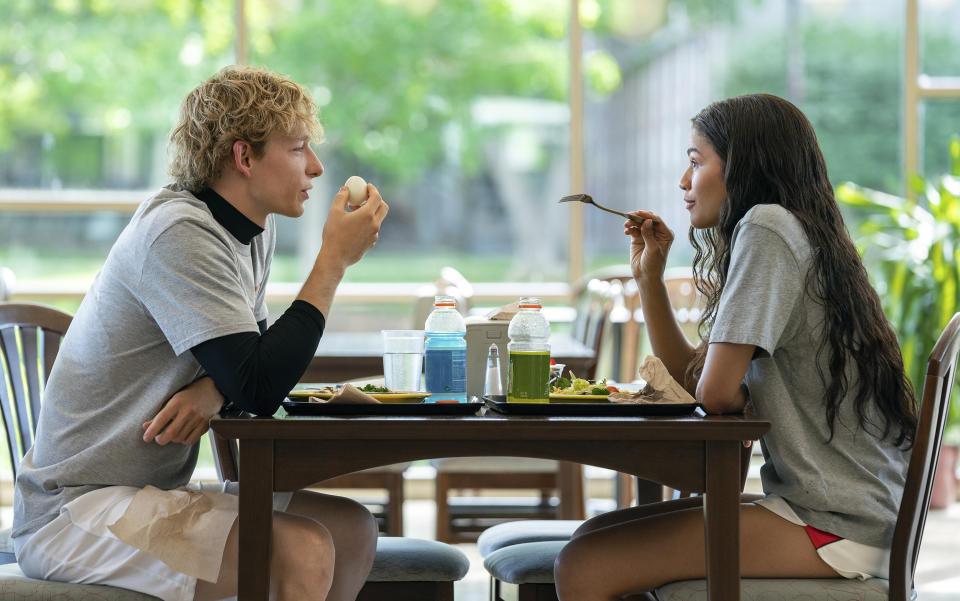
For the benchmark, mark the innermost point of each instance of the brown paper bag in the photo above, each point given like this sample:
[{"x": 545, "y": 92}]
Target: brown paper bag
[{"x": 504, "y": 313}]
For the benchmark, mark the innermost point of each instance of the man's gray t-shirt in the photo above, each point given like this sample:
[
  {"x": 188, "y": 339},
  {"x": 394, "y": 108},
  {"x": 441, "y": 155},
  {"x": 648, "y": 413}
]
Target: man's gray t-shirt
[
  {"x": 174, "y": 278},
  {"x": 852, "y": 485}
]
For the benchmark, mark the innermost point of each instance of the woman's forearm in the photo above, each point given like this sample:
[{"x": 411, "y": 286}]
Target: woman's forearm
[{"x": 666, "y": 338}]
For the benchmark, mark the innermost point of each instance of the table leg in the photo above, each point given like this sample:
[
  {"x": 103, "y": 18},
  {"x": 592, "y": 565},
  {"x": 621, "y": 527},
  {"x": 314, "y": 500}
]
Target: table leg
[
  {"x": 256, "y": 519},
  {"x": 721, "y": 513},
  {"x": 570, "y": 483}
]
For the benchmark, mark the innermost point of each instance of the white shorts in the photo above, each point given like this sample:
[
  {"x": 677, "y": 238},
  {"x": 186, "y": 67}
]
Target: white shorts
[
  {"x": 849, "y": 559},
  {"x": 77, "y": 546}
]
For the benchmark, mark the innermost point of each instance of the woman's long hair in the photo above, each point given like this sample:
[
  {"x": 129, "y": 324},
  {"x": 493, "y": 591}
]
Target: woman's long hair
[{"x": 771, "y": 156}]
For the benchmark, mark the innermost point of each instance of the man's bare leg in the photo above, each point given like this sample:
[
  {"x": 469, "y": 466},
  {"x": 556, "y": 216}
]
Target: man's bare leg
[
  {"x": 354, "y": 533},
  {"x": 301, "y": 562}
]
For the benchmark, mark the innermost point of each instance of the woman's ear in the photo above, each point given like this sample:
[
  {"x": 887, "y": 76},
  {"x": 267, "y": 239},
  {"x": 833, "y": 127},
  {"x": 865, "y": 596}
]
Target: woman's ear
[{"x": 242, "y": 157}]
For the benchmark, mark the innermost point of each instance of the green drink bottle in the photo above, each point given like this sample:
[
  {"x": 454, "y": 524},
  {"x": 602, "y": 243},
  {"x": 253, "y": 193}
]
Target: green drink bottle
[{"x": 529, "y": 354}]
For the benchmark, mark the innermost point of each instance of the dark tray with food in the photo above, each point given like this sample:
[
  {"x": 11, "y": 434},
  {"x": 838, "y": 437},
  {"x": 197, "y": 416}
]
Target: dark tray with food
[{"x": 604, "y": 408}]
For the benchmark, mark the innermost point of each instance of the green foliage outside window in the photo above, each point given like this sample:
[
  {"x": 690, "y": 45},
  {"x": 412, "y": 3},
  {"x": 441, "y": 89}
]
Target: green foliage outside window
[{"x": 912, "y": 249}]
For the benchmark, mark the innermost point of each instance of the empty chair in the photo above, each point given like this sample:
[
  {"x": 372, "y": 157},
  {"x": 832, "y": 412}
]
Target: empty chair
[
  {"x": 463, "y": 520},
  {"x": 450, "y": 283}
]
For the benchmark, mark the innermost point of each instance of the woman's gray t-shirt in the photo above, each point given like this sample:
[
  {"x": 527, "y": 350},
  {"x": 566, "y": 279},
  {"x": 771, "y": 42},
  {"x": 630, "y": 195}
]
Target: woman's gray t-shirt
[{"x": 852, "y": 485}]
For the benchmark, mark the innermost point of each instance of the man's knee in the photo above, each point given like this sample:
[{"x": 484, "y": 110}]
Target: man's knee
[
  {"x": 343, "y": 515},
  {"x": 300, "y": 537},
  {"x": 361, "y": 518}
]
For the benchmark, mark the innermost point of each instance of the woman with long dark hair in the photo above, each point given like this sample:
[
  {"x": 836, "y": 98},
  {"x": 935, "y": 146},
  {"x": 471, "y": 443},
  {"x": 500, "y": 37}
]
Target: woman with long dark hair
[{"x": 792, "y": 331}]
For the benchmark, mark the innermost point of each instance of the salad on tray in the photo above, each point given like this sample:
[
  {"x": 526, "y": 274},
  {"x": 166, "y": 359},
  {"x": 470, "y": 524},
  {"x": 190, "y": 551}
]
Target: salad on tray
[{"x": 578, "y": 386}]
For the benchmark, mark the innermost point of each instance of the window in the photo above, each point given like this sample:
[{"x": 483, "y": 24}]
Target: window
[
  {"x": 839, "y": 61},
  {"x": 460, "y": 112}
]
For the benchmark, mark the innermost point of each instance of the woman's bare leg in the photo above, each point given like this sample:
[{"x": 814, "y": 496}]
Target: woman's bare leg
[
  {"x": 637, "y": 556},
  {"x": 354, "y": 533},
  {"x": 642, "y": 511},
  {"x": 301, "y": 563}
]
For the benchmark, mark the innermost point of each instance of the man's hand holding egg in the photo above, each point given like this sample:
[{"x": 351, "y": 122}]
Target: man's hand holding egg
[{"x": 358, "y": 191}]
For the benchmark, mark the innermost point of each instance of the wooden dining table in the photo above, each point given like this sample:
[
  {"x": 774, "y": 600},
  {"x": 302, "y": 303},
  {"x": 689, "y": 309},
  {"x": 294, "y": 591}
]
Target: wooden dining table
[
  {"x": 689, "y": 452},
  {"x": 342, "y": 356}
]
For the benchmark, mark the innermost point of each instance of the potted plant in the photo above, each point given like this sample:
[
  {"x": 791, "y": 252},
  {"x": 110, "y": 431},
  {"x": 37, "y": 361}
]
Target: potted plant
[{"x": 911, "y": 247}]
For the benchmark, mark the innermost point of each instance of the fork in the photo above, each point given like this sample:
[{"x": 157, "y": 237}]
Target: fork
[{"x": 587, "y": 199}]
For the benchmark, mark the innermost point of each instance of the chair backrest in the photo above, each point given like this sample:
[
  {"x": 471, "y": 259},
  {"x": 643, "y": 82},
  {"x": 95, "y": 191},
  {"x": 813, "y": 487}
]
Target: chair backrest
[
  {"x": 593, "y": 308},
  {"x": 30, "y": 336},
  {"x": 934, "y": 406},
  {"x": 7, "y": 283},
  {"x": 450, "y": 283}
]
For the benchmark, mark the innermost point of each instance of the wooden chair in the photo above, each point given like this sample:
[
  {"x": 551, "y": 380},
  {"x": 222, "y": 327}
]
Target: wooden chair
[
  {"x": 30, "y": 336},
  {"x": 687, "y": 304},
  {"x": 450, "y": 282},
  {"x": 908, "y": 533}
]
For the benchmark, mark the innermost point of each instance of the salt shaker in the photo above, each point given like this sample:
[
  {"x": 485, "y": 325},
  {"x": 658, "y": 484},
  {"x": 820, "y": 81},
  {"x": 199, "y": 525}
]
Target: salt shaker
[{"x": 492, "y": 383}]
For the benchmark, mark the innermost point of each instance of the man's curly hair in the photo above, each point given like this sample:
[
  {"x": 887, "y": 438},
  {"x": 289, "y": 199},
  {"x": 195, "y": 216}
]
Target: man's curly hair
[{"x": 238, "y": 103}]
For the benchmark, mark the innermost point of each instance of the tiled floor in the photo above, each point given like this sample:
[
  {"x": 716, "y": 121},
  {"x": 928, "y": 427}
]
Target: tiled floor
[{"x": 938, "y": 572}]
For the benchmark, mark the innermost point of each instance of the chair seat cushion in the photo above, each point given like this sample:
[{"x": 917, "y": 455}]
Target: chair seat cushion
[
  {"x": 495, "y": 465},
  {"x": 14, "y": 585},
  {"x": 524, "y": 563},
  {"x": 6, "y": 547},
  {"x": 402, "y": 559},
  {"x": 784, "y": 589},
  {"x": 524, "y": 531}
]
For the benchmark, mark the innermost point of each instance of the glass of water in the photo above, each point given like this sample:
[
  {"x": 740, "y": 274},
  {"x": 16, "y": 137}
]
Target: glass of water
[{"x": 402, "y": 359}]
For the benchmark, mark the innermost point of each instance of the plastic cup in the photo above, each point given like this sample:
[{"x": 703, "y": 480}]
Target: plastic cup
[{"x": 402, "y": 359}]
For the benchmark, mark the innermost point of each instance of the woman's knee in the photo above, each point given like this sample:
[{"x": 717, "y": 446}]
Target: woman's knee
[
  {"x": 575, "y": 557},
  {"x": 571, "y": 570}
]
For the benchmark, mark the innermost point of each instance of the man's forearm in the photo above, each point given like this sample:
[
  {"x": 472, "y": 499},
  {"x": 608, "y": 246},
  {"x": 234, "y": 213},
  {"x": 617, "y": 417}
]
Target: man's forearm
[
  {"x": 321, "y": 285},
  {"x": 256, "y": 371}
]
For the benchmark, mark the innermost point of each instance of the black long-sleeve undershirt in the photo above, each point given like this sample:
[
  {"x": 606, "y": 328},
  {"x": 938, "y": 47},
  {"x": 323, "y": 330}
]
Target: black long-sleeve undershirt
[{"x": 256, "y": 371}]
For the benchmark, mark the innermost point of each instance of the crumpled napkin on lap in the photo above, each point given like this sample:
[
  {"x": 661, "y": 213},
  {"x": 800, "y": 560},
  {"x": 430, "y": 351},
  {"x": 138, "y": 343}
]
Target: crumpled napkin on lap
[{"x": 184, "y": 528}]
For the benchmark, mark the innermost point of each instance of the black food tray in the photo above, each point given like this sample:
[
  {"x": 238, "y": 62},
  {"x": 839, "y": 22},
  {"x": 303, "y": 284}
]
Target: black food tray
[
  {"x": 302, "y": 408},
  {"x": 498, "y": 403}
]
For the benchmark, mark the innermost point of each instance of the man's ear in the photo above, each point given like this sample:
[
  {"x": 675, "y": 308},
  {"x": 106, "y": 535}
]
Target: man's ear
[{"x": 242, "y": 156}]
